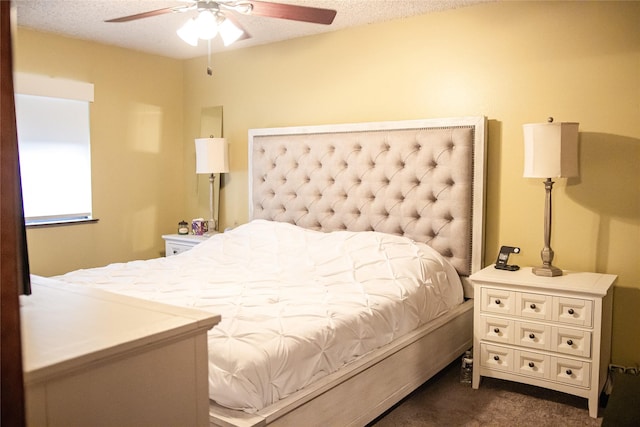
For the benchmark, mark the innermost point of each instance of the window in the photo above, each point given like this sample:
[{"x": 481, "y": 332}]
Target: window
[{"x": 52, "y": 117}]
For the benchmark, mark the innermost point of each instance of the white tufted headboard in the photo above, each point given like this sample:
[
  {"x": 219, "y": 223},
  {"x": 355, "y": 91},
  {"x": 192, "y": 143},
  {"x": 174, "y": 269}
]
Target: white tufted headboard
[{"x": 423, "y": 179}]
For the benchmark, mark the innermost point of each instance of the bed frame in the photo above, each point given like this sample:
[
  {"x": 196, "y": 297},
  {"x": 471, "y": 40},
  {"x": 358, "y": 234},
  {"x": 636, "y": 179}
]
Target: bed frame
[{"x": 423, "y": 179}]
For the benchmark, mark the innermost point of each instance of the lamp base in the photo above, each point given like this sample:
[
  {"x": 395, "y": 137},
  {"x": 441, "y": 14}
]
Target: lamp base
[{"x": 547, "y": 271}]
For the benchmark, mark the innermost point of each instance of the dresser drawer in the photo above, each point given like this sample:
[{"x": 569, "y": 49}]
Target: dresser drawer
[
  {"x": 571, "y": 341},
  {"x": 532, "y": 364},
  {"x": 572, "y": 311},
  {"x": 497, "y": 330},
  {"x": 497, "y": 301},
  {"x": 176, "y": 248},
  {"x": 534, "y": 306},
  {"x": 569, "y": 371},
  {"x": 533, "y": 335},
  {"x": 495, "y": 357}
]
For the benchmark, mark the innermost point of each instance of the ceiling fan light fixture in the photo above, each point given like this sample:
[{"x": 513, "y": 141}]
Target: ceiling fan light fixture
[
  {"x": 207, "y": 25},
  {"x": 229, "y": 32},
  {"x": 189, "y": 32}
]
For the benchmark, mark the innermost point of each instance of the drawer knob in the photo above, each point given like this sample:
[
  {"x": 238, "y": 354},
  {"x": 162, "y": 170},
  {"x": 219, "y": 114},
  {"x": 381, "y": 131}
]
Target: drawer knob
[
  {"x": 498, "y": 302},
  {"x": 532, "y": 306},
  {"x": 569, "y": 372},
  {"x": 571, "y": 311},
  {"x": 531, "y": 364},
  {"x": 569, "y": 342},
  {"x": 496, "y": 357},
  {"x": 532, "y": 336},
  {"x": 496, "y": 330}
]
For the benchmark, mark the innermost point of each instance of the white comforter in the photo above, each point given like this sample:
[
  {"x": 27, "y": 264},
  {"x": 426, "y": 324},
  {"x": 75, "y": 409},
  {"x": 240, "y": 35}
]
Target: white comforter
[{"x": 296, "y": 304}]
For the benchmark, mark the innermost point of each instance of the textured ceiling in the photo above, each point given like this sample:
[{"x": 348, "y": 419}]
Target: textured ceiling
[{"x": 84, "y": 19}]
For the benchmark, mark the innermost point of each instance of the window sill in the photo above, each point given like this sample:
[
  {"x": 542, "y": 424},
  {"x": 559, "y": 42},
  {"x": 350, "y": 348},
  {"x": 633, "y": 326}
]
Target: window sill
[{"x": 60, "y": 222}]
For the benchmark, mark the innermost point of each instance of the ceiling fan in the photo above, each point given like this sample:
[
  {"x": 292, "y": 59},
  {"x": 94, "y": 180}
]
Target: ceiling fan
[
  {"x": 218, "y": 9},
  {"x": 213, "y": 18}
]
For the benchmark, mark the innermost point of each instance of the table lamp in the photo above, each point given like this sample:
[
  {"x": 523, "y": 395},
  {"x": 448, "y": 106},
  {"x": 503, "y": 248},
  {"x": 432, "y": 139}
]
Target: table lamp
[
  {"x": 212, "y": 156},
  {"x": 550, "y": 151}
]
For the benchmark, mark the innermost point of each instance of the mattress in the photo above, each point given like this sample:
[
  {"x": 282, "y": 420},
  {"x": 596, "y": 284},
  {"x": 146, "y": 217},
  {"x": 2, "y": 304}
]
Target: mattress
[{"x": 296, "y": 304}]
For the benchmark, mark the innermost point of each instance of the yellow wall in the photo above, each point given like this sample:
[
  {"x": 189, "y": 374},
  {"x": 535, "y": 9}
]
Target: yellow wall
[
  {"x": 514, "y": 62},
  {"x": 136, "y": 147}
]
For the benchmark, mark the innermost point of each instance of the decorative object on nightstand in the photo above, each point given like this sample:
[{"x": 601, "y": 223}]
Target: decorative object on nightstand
[
  {"x": 552, "y": 332},
  {"x": 550, "y": 151},
  {"x": 212, "y": 157},
  {"x": 183, "y": 227}
]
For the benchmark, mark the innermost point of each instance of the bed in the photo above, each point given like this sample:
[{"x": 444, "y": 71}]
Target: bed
[{"x": 348, "y": 224}]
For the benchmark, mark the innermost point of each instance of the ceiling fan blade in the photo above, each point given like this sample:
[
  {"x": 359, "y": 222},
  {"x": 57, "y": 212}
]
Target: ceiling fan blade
[
  {"x": 143, "y": 15},
  {"x": 293, "y": 12}
]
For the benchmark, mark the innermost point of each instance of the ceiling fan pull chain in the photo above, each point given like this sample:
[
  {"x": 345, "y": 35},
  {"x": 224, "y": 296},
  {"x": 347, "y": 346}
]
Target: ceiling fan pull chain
[{"x": 209, "y": 69}]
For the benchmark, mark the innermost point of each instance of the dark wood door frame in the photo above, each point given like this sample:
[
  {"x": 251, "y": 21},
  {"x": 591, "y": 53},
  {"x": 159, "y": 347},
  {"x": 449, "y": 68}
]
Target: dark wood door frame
[{"x": 13, "y": 264}]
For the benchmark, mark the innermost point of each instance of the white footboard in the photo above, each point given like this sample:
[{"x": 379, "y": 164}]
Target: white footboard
[{"x": 368, "y": 387}]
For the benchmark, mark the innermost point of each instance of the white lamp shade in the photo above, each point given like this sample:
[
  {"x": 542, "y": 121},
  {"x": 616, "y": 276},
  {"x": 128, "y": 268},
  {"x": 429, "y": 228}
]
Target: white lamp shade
[
  {"x": 229, "y": 32},
  {"x": 550, "y": 150},
  {"x": 212, "y": 155},
  {"x": 189, "y": 32}
]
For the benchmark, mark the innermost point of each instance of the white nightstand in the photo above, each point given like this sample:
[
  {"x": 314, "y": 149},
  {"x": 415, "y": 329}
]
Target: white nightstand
[
  {"x": 552, "y": 332},
  {"x": 177, "y": 243}
]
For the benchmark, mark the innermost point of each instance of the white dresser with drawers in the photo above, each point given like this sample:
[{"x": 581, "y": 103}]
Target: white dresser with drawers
[{"x": 552, "y": 332}]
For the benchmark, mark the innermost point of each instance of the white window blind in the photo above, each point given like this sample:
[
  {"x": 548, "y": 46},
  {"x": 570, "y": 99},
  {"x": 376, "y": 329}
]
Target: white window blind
[{"x": 55, "y": 150}]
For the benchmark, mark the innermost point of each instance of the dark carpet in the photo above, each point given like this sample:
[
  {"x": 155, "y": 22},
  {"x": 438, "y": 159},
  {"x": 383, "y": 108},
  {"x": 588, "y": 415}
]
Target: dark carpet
[{"x": 444, "y": 401}]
